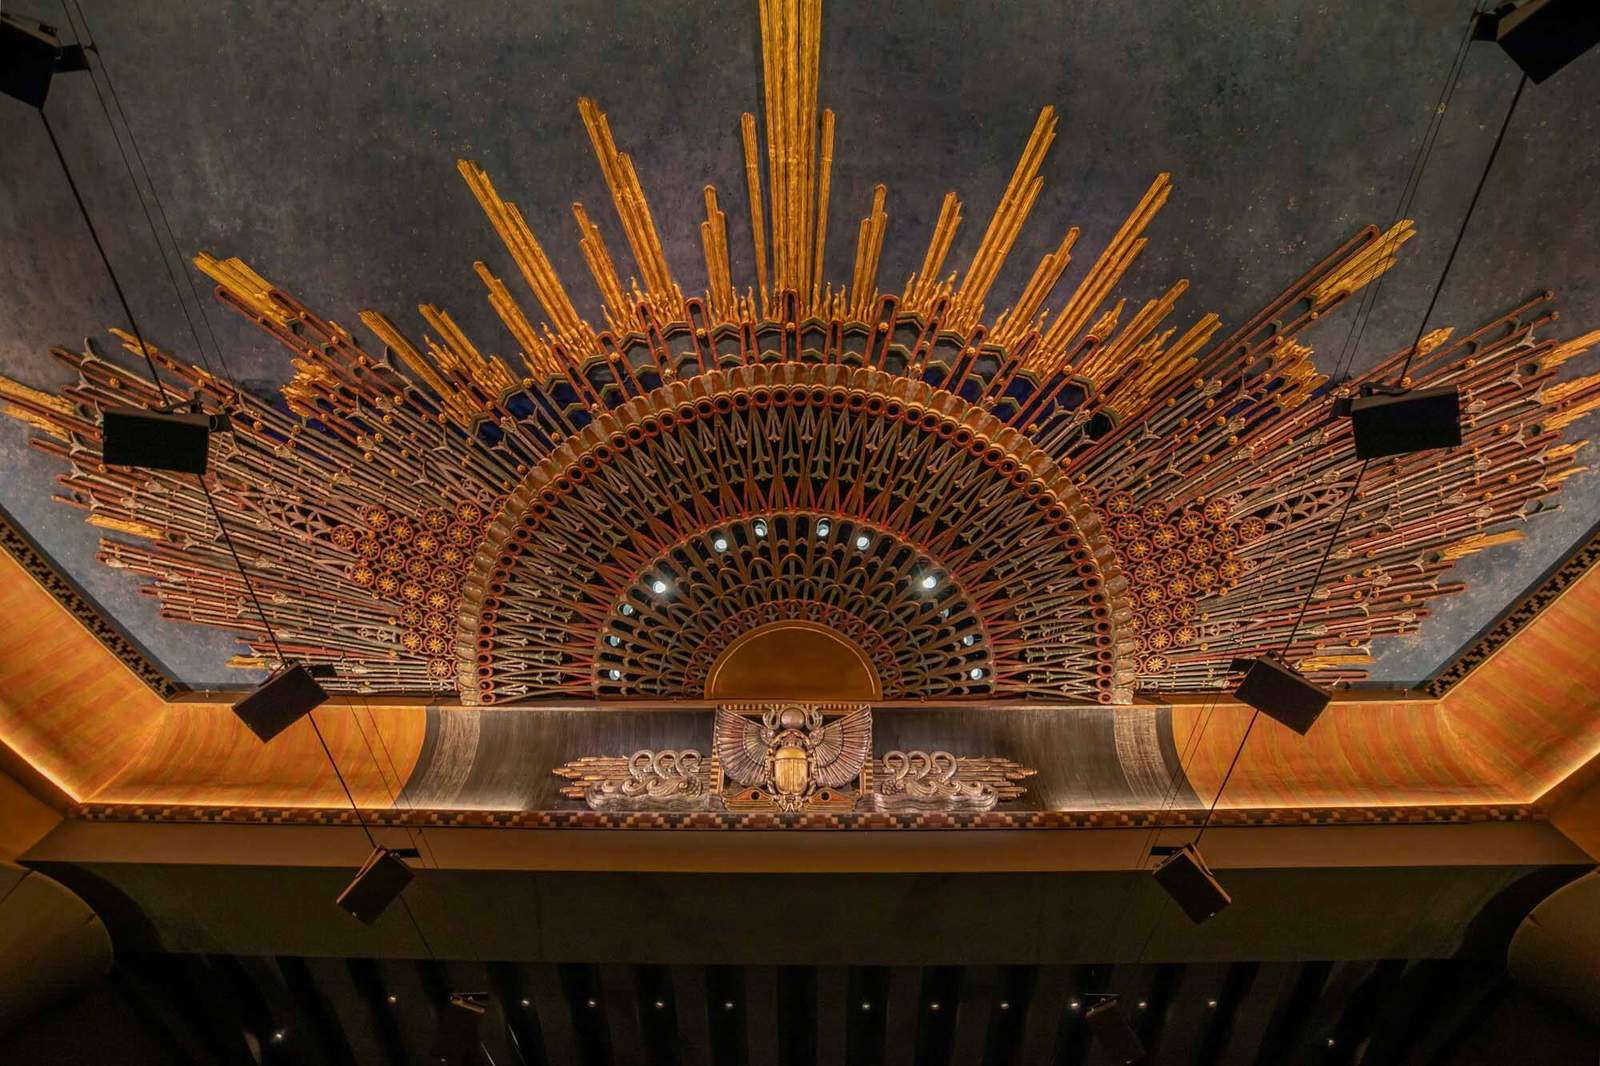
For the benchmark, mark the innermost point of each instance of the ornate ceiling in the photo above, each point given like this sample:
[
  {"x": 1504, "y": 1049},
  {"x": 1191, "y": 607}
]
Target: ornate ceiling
[{"x": 1076, "y": 489}]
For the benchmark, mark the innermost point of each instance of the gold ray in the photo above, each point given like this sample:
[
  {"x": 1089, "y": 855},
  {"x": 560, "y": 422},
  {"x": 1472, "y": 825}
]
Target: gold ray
[
  {"x": 924, "y": 284},
  {"x": 869, "y": 246},
  {"x": 1365, "y": 266},
  {"x": 535, "y": 352},
  {"x": 758, "y": 220},
  {"x": 603, "y": 270},
  {"x": 1019, "y": 319},
  {"x": 628, "y": 196},
  {"x": 825, "y": 180},
  {"x": 1124, "y": 248},
  {"x": 1009, "y": 215},
  {"x": 714, "y": 240},
  {"x": 525, "y": 249},
  {"x": 245, "y": 285}
]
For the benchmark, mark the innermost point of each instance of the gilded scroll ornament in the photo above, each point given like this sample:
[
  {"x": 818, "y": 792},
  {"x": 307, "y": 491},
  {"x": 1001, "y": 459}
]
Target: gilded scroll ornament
[{"x": 789, "y": 758}]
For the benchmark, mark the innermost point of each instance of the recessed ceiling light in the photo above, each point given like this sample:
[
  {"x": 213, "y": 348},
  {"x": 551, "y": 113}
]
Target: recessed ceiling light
[
  {"x": 614, "y": 640},
  {"x": 929, "y": 582},
  {"x": 976, "y": 673},
  {"x": 659, "y": 587},
  {"x": 661, "y": 1005},
  {"x": 627, "y": 608},
  {"x": 393, "y": 998},
  {"x": 934, "y": 1005},
  {"x": 1005, "y": 1004},
  {"x": 727, "y": 1004},
  {"x": 866, "y": 1004},
  {"x": 615, "y": 675},
  {"x": 823, "y": 527},
  {"x": 969, "y": 640},
  {"x": 761, "y": 529},
  {"x": 721, "y": 544},
  {"x": 862, "y": 542},
  {"x": 592, "y": 1003}
]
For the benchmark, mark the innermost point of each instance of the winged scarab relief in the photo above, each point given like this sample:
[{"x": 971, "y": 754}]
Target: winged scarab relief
[{"x": 793, "y": 757}]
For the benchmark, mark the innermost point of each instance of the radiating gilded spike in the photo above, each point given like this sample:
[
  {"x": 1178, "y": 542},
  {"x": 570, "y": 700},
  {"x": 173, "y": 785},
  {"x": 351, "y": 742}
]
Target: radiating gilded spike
[
  {"x": 535, "y": 352},
  {"x": 1039, "y": 287},
  {"x": 1124, "y": 248},
  {"x": 1009, "y": 215},
  {"x": 246, "y": 286},
  {"x": 1365, "y": 266},
  {"x": 824, "y": 184},
  {"x": 629, "y": 198},
  {"x": 603, "y": 270},
  {"x": 924, "y": 284},
  {"x": 758, "y": 218},
  {"x": 869, "y": 246},
  {"x": 714, "y": 240}
]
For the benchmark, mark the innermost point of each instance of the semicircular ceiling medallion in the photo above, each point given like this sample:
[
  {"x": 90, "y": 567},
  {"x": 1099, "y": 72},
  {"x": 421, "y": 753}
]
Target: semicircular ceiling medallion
[{"x": 1067, "y": 499}]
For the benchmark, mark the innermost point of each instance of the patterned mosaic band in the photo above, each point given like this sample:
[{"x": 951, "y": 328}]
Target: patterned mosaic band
[{"x": 815, "y": 820}]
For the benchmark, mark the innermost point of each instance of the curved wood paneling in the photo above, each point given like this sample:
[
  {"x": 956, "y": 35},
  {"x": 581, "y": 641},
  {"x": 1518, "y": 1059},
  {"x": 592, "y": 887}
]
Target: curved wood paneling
[
  {"x": 1359, "y": 754},
  {"x": 67, "y": 705},
  {"x": 201, "y": 753}
]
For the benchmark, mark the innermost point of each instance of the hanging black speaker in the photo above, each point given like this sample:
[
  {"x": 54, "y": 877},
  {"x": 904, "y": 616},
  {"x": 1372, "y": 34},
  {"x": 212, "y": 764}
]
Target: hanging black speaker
[
  {"x": 1542, "y": 36},
  {"x": 280, "y": 701},
  {"x": 1189, "y": 882},
  {"x": 155, "y": 440},
  {"x": 1400, "y": 423},
  {"x": 1113, "y": 1033},
  {"x": 1280, "y": 693},
  {"x": 378, "y": 884}
]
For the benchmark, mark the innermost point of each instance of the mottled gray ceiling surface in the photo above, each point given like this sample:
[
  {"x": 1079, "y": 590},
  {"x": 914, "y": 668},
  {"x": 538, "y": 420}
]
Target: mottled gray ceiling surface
[{"x": 318, "y": 142}]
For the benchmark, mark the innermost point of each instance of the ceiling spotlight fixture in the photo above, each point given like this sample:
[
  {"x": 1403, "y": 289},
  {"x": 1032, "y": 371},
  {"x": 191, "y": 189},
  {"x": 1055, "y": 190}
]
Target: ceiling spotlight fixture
[
  {"x": 866, "y": 1004},
  {"x": 1211, "y": 1003},
  {"x": 592, "y": 1003},
  {"x": 1143, "y": 1004},
  {"x": 661, "y": 1005},
  {"x": 727, "y": 1004},
  {"x": 278, "y": 1035},
  {"x": 627, "y": 608},
  {"x": 969, "y": 640},
  {"x": 659, "y": 587},
  {"x": 760, "y": 528},
  {"x": 613, "y": 640},
  {"x": 934, "y": 1006},
  {"x": 615, "y": 675},
  {"x": 929, "y": 582},
  {"x": 525, "y": 1003},
  {"x": 1075, "y": 1004},
  {"x": 862, "y": 541},
  {"x": 721, "y": 544},
  {"x": 1005, "y": 1004},
  {"x": 976, "y": 673},
  {"x": 823, "y": 527},
  {"x": 393, "y": 998}
]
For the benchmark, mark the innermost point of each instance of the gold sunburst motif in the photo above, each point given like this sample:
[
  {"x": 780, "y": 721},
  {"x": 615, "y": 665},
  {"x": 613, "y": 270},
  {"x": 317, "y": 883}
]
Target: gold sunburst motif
[{"x": 1070, "y": 497}]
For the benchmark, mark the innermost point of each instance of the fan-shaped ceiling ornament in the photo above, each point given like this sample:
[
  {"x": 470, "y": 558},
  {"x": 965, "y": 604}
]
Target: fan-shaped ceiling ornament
[{"x": 1070, "y": 498}]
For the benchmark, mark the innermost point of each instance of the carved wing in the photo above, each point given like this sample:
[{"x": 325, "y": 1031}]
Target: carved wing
[
  {"x": 740, "y": 748},
  {"x": 842, "y": 747}
]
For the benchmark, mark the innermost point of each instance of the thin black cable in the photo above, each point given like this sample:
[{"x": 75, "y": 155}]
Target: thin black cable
[
  {"x": 111, "y": 272},
  {"x": 1462, "y": 231},
  {"x": 87, "y": 35},
  {"x": 144, "y": 207},
  {"x": 1327, "y": 553},
  {"x": 277, "y": 648},
  {"x": 1408, "y": 193}
]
